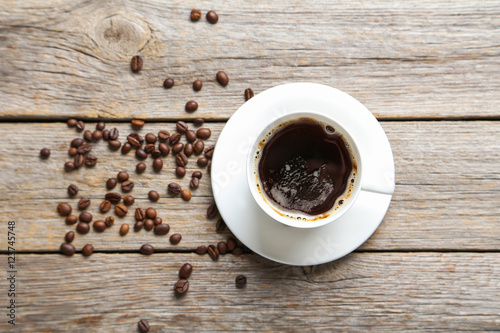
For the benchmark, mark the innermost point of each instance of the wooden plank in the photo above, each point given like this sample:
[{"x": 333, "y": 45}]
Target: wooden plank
[
  {"x": 412, "y": 59},
  {"x": 447, "y": 192},
  {"x": 364, "y": 291}
]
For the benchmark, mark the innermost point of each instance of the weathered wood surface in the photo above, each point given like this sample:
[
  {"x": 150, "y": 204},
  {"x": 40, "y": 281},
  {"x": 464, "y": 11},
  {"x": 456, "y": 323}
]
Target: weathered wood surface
[
  {"x": 411, "y": 59},
  {"x": 447, "y": 192},
  {"x": 361, "y": 292}
]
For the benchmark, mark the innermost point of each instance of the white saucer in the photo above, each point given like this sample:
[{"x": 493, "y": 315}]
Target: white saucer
[{"x": 270, "y": 238}]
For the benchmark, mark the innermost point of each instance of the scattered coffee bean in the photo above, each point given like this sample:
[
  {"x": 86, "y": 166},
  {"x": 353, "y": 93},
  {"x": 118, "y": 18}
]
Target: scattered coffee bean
[
  {"x": 164, "y": 149},
  {"x": 143, "y": 326},
  {"x": 150, "y": 138},
  {"x": 128, "y": 200},
  {"x": 191, "y": 106},
  {"x": 157, "y": 220},
  {"x": 141, "y": 154},
  {"x": 113, "y": 197},
  {"x": 148, "y": 224},
  {"x": 158, "y": 164},
  {"x": 115, "y": 144},
  {"x": 124, "y": 229},
  {"x": 181, "y": 286},
  {"x": 191, "y": 135},
  {"x": 194, "y": 183},
  {"x": 77, "y": 142},
  {"x": 161, "y": 229},
  {"x": 180, "y": 171},
  {"x": 121, "y": 210},
  {"x": 174, "y": 138},
  {"x": 212, "y": 17},
  {"x": 150, "y": 147},
  {"x": 83, "y": 203},
  {"x": 222, "y": 78},
  {"x": 197, "y": 85},
  {"x": 71, "y": 122},
  {"x": 202, "y": 162},
  {"x": 111, "y": 183},
  {"x": 72, "y": 190},
  {"x": 186, "y": 195},
  {"x": 109, "y": 220},
  {"x": 195, "y": 15},
  {"x": 136, "y": 63},
  {"x": 114, "y": 133},
  {"x": 202, "y": 249},
  {"x": 99, "y": 225},
  {"x": 209, "y": 152},
  {"x": 72, "y": 151},
  {"x": 80, "y": 125},
  {"x": 147, "y": 249},
  {"x": 209, "y": 167},
  {"x": 237, "y": 251},
  {"x": 90, "y": 160},
  {"x": 197, "y": 174},
  {"x": 127, "y": 186},
  {"x": 198, "y": 122},
  {"x": 151, "y": 213},
  {"x": 156, "y": 153},
  {"x": 240, "y": 281},
  {"x": 198, "y": 147},
  {"x": 70, "y": 235},
  {"x": 140, "y": 167},
  {"x": 85, "y": 217},
  {"x": 135, "y": 139},
  {"x": 212, "y": 211},
  {"x": 153, "y": 196},
  {"x": 137, "y": 123},
  {"x": 105, "y": 135},
  {"x": 213, "y": 252},
  {"x": 122, "y": 176},
  {"x": 100, "y": 126},
  {"x": 181, "y": 159},
  {"x": 45, "y": 153},
  {"x": 71, "y": 219},
  {"x": 82, "y": 228},
  {"x": 222, "y": 247},
  {"x": 248, "y": 94},
  {"x": 105, "y": 206},
  {"x": 96, "y": 135},
  {"x": 140, "y": 214},
  {"x": 163, "y": 135},
  {"x": 204, "y": 133},
  {"x": 138, "y": 226},
  {"x": 188, "y": 149},
  {"x": 173, "y": 188},
  {"x": 182, "y": 127},
  {"x": 168, "y": 83},
  {"x": 231, "y": 243},
  {"x": 84, "y": 149},
  {"x": 87, "y": 250},
  {"x": 177, "y": 147},
  {"x": 126, "y": 148},
  {"x": 78, "y": 160},
  {"x": 87, "y": 135},
  {"x": 68, "y": 166},
  {"x": 220, "y": 226},
  {"x": 67, "y": 249},
  {"x": 185, "y": 271}
]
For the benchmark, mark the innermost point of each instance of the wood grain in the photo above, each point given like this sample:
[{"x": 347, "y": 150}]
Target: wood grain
[
  {"x": 411, "y": 59},
  {"x": 361, "y": 292},
  {"x": 447, "y": 189}
]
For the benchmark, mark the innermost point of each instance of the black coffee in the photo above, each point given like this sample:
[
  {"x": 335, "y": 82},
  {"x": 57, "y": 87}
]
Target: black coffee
[{"x": 305, "y": 167}]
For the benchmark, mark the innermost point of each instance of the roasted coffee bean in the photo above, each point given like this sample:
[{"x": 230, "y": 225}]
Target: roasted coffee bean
[
  {"x": 114, "y": 133},
  {"x": 135, "y": 139},
  {"x": 140, "y": 167},
  {"x": 198, "y": 147},
  {"x": 197, "y": 85},
  {"x": 96, "y": 135},
  {"x": 174, "y": 188},
  {"x": 111, "y": 183},
  {"x": 67, "y": 249},
  {"x": 113, "y": 197},
  {"x": 203, "y": 133},
  {"x": 202, "y": 249},
  {"x": 157, "y": 220},
  {"x": 151, "y": 213},
  {"x": 83, "y": 203},
  {"x": 220, "y": 226},
  {"x": 175, "y": 239},
  {"x": 84, "y": 149},
  {"x": 82, "y": 228},
  {"x": 164, "y": 149},
  {"x": 181, "y": 159},
  {"x": 71, "y": 122},
  {"x": 148, "y": 224},
  {"x": 99, "y": 225},
  {"x": 78, "y": 160},
  {"x": 186, "y": 195},
  {"x": 212, "y": 17},
  {"x": 177, "y": 148},
  {"x": 209, "y": 167},
  {"x": 240, "y": 281},
  {"x": 191, "y": 106},
  {"x": 127, "y": 186},
  {"x": 222, "y": 78},
  {"x": 168, "y": 83},
  {"x": 124, "y": 229},
  {"x": 147, "y": 249},
  {"x": 45, "y": 153},
  {"x": 174, "y": 138},
  {"x": 191, "y": 136},
  {"x": 195, "y": 14},
  {"x": 213, "y": 252},
  {"x": 161, "y": 229},
  {"x": 237, "y": 251},
  {"x": 188, "y": 149},
  {"x": 163, "y": 135},
  {"x": 90, "y": 160},
  {"x": 87, "y": 135},
  {"x": 198, "y": 122},
  {"x": 143, "y": 326},
  {"x": 115, "y": 144},
  {"x": 72, "y": 151},
  {"x": 87, "y": 250},
  {"x": 140, "y": 214},
  {"x": 209, "y": 152},
  {"x": 137, "y": 123},
  {"x": 140, "y": 154},
  {"x": 156, "y": 153},
  {"x": 72, "y": 190},
  {"x": 85, "y": 217},
  {"x": 149, "y": 148},
  {"x": 150, "y": 138},
  {"x": 126, "y": 148},
  {"x": 71, "y": 219},
  {"x": 197, "y": 174},
  {"x": 231, "y": 243},
  {"x": 180, "y": 171},
  {"x": 212, "y": 211},
  {"x": 122, "y": 176},
  {"x": 222, "y": 247},
  {"x": 195, "y": 182},
  {"x": 80, "y": 125},
  {"x": 248, "y": 94},
  {"x": 185, "y": 271},
  {"x": 128, "y": 200},
  {"x": 105, "y": 135},
  {"x": 105, "y": 206},
  {"x": 138, "y": 226},
  {"x": 136, "y": 63},
  {"x": 70, "y": 235},
  {"x": 202, "y": 162},
  {"x": 77, "y": 142},
  {"x": 109, "y": 220},
  {"x": 121, "y": 210},
  {"x": 153, "y": 196},
  {"x": 182, "y": 127},
  {"x": 100, "y": 126},
  {"x": 157, "y": 164},
  {"x": 181, "y": 286}
]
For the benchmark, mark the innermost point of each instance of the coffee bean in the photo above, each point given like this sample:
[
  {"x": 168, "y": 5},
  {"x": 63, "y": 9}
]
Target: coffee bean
[
  {"x": 191, "y": 136},
  {"x": 213, "y": 252},
  {"x": 151, "y": 213},
  {"x": 45, "y": 153},
  {"x": 153, "y": 196},
  {"x": 143, "y": 326},
  {"x": 67, "y": 249},
  {"x": 182, "y": 127},
  {"x": 99, "y": 225},
  {"x": 163, "y": 135},
  {"x": 198, "y": 122},
  {"x": 115, "y": 144},
  {"x": 113, "y": 197},
  {"x": 222, "y": 247},
  {"x": 68, "y": 166},
  {"x": 77, "y": 142},
  {"x": 220, "y": 226},
  {"x": 71, "y": 122},
  {"x": 177, "y": 147},
  {"x": 164, "y": 149},
  {"x": 135, "y": 139},
  {"x": 202, "y": 162},
  {"x": 122, "y": 176},
  {"x": 124, "y": 229},
  {"x": 158, "y": 164},
  {"x": 203, "y": 133},
  {"x": 84, "y": 149},
  {"x": 174, "y": 188},
  {"x": 240, "y": 281},
  {"x": 83, "y": 203},
  {"x": 174, "y": 138},
  {"x": 82, "y": 228},
  {"x": 222, "y": 78},
  {"x": 198, "y": 147},
  {"x": 111, "y": 183},
  {"x": 161, "y": 229},
  {"x": 188, "y": 149},
  {"x": 212, "y": 17},
  {"x": 148, "y": 224},
  {"x": 186, "y": 195},
  {"x": 157, "y": 220},
  {"x": 231, "y": 243},
  {"x": 72, "y": 151},
  {"x": 209, "y": 167},
  {"x": 71, "y": 219},
  {"x": 127, "y": 186},
  {"x": 121, "y": 210},
  {"x": 191, "y": 106},
  {"x": 136, "y": 63},
  {"x": 126, "y": 148},
  {"x": 150, "y": 138},
  {"x": 147, "y": 249},
  {"x": 156, "y": 153},
  {"x": 180, "y": 171},
  {"x": 248, "y": 94},
  {"x": 181, "y": 159},
  {"x": 70, "y": 235},
  {"x": 140, "y": 214},
  {"x": 237, "y": 251},
  {"x": 138, "y": 226},
  {"x": 140, "y": 154},
  {"x": 87, "y": 135},
  {"x": 149, "y": 148},
  {"x": 85, "y": 217},
  {"x": 197, "y": 85},
  {"x": 202, "y": 249},
  {"x": 78, "y": 160},
  {"x": 100, "y": 126},
  {"x": 109, "y": 220},
  {"x": 80, "y": 125},
  {"x": 72, "y": 190},
  {"x": 209, "y": 151},
  {"x": 197, "y": 174},
  {"x": 128, "y": 200},
  {"x": 105, "y": 206},
  {"x": 185, "y": 271},
  {"x": 168, "y": 83},
  {"x": 90, "y": 160},
  {"x": 195, "y": 14},
  {"x": 140, "y": 167},
  {"x": 105, "y": 135},
  {"x": 96, "y": 135},
  {"x": 137, "y": 123},
  {"x": 114, "y": 133},
  {"x": 181, "y": 286},
  {"x": 195, "y": 182},
  {"x": 87, "y": 250},
  {"x": 212, "y": 211}
]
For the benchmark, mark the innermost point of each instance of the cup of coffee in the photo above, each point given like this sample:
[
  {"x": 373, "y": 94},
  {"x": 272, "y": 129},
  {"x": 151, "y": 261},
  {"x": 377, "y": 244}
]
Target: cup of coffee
[{"x": 304, "y": 169}]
